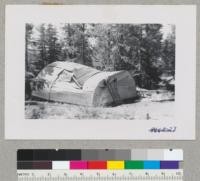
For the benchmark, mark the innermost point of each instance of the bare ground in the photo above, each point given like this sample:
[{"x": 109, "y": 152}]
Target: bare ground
[{"x": 154, "y": 105}]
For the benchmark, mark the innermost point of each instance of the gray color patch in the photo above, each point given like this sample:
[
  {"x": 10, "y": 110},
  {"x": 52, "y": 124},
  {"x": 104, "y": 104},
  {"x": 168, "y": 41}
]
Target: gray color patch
[
  {"x": 123, "y": 155},
  {"x": 106, "y": 154},
  {"x": 139, "y": 154},
  {"x": 89, "y": 154},
  {"x": 155, "y": 154}
]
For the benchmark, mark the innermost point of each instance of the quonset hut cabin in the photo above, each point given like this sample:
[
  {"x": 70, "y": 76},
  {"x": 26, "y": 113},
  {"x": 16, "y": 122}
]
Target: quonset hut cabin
[{"x": 75, "y": 83}]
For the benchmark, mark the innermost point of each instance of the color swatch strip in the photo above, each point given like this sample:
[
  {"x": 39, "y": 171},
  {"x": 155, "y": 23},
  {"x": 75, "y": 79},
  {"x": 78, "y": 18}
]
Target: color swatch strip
[
  {"x": 108, "y": 165},
  {"x": 100, "y": 154}
]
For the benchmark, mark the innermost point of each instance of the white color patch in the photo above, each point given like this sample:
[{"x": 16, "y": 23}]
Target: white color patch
[
  {"x": 173, "y": 155},
  {"x": 59, "y": 165}
]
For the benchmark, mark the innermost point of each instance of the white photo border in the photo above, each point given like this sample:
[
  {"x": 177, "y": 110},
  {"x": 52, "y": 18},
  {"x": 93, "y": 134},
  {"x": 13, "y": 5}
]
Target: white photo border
[{"x": 17, "y": 127}]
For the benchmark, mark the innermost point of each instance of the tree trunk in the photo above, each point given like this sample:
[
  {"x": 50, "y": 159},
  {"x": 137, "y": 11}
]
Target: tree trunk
[
  {"x": 26, "y": 53},
  {"x": 83, "y": 44}
]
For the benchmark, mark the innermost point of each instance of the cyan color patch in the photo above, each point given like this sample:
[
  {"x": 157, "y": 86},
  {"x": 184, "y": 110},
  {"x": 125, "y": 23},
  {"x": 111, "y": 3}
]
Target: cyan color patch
[{"x": 151, "y": 164}]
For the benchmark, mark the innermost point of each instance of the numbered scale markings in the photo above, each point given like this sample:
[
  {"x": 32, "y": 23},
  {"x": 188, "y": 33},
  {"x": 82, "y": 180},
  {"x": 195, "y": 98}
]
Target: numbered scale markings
[{"x": 103, "y": 175}]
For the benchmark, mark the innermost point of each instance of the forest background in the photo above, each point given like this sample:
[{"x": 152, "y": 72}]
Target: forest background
[{"x": 147, "y": 51}]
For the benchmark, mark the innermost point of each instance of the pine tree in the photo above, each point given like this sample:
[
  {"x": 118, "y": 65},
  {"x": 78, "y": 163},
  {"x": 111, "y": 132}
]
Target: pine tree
[
  {"x": 169, "y": 53},
  {"x": 128, "y": 43},
  {"x": 150, "y": 54},
  {"x": 42, "y": 46},
  {"x": 69, "y": 51},
  {"x": 29, "y": 28},
  {"x": 104, "y": 50},
  {"x": 53, "y": 47},
  {"x": 82, "y": 45},
  {"x": 75, "y": 45}
]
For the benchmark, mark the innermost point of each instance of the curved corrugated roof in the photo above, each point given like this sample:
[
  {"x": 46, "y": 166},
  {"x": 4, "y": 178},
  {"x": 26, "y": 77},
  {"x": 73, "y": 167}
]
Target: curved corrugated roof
[
  {"x": 81, "y": 72},
  {"x": 69, "y": 66}
]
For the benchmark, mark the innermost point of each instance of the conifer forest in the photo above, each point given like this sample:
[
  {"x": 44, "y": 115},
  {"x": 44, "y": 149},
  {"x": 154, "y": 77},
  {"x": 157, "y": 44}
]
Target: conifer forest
[{"x": 146, "y": 51}]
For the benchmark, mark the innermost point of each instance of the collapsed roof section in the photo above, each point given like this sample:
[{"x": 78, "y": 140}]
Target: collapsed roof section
[{"x": 80, "y": 73}]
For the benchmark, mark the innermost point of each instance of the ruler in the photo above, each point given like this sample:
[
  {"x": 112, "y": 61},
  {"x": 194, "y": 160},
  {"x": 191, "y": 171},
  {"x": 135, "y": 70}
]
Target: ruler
[{"x": 103, "y": 175}]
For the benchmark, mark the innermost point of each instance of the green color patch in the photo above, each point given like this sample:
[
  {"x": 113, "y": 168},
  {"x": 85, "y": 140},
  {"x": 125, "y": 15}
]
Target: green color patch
[{"x": 134, "y": 165}]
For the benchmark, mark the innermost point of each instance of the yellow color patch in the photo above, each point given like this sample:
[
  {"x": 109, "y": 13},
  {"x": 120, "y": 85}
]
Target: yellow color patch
[{"x": 115, "y": 165}]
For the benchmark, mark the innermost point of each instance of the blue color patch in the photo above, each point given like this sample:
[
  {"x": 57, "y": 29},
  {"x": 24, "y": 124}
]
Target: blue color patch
[{"x": 151, "y": 164}]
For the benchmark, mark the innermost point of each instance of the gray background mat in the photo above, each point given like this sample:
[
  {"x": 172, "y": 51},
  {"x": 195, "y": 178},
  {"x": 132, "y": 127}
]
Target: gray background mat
[{"x": 8, "y": 148}]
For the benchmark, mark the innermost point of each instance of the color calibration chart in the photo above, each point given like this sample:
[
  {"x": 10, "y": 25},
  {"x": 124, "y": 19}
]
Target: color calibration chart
[{"x": 100, "y": 165}]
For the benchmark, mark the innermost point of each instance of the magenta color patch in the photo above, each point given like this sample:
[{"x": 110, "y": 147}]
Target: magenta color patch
[{"x": 78, "y": 164}]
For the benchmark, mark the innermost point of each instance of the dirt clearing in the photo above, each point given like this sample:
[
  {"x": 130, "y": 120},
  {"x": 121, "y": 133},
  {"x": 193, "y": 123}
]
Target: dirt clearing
[{"x": 154, "y": 105}]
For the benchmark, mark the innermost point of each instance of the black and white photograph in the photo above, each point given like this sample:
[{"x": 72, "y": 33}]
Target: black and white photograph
[{"x": 99, "y": 71}]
